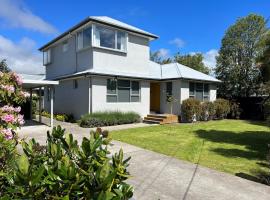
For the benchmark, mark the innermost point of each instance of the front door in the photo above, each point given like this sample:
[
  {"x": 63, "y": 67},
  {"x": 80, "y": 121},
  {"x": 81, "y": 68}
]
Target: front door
[{"x": 155, "y": 97}]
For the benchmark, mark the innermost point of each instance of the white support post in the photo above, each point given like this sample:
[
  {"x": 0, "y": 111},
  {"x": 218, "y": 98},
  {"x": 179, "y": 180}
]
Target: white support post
[
  {"x": 39, "y": 104},
  {"x": 31, "y": 109},
  {"x": 51, "y": 91}
]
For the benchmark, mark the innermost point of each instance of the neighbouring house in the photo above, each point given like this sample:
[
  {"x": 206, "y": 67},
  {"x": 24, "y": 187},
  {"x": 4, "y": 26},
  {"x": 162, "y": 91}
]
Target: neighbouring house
[{"x": 103, "y": 64}]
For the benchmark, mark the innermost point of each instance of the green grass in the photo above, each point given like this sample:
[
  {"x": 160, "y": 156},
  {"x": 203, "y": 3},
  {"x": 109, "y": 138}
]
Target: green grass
[{"x": 234, "y": 146}]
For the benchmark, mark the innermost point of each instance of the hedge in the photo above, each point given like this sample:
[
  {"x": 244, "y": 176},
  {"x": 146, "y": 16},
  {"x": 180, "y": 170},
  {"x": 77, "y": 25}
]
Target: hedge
[{"x": 109, "y": 118}]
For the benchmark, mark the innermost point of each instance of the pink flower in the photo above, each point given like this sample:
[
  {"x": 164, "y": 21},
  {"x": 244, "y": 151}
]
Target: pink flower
[
  {"x": 25, "y": 94},
  {"x": 7, "y": 133},
  {"x": 20, "y": 119},
  {"x": 7, "y": 108},
  {"x": 17, "y": 109},
  {"x": 8, "y": 118},
  {"x": 17, "y": 78},
  {"x": 1, "y": 74},
  {"x": 9, "y": 88}
]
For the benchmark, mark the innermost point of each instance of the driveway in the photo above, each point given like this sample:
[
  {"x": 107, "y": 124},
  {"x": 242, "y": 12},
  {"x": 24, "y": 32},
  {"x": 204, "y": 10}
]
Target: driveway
[{"x": 156, "y": 176}]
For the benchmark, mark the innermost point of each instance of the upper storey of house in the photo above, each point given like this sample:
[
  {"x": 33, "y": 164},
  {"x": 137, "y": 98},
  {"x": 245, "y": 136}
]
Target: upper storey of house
[{"x": 99, "y": 43}]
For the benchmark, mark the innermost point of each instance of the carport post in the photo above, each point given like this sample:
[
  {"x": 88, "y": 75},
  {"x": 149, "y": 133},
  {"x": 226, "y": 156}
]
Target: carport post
[
  {"x": 31, "y": 95},
  {"x": 39, "y": 104},
  {"x": 51, "y": 91}
]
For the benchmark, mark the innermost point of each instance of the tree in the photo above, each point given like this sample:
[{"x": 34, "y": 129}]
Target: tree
[
  {"x": 156, "y": 57},
  {"x": 4, "y": 66},
  {"x": 193, "y": 61},
  {"x": 264, "y": 60},
  {"x": 236, "y": 66}
]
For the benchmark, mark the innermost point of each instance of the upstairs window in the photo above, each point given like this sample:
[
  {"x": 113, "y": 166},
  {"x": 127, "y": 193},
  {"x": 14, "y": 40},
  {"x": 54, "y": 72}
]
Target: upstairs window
[
  {"x": 47, "y": 57},
  {"x": 123, "y": 91},
  {"x": 84, "y": 38},
  {"x": 110, "y": 38},
  {"x": 65, "y": 46},
  {"x": 199, "y": 91}
]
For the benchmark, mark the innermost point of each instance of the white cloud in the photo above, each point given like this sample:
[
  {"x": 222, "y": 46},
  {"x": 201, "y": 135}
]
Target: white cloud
[
  {"x": 179, "y": 43},
  {"x": 209, "y": 58},
  {"x": 164, "y": 53},
  {"x": 22, "y": 56},
  {"x": 15, "y": 14}
]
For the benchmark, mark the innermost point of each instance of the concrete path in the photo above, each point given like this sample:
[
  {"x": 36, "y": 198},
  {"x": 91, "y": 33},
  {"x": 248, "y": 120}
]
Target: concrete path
[{"x": 156, "y": 176}]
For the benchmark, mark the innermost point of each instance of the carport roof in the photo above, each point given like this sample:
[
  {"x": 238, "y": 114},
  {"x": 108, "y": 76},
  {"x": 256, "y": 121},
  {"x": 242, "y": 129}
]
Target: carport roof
[{"x": 31, "y": 81}]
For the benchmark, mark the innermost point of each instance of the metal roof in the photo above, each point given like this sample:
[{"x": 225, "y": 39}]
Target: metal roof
[
  {"x": 155, "y": 72},
  {"x": 106, "y": 21}
]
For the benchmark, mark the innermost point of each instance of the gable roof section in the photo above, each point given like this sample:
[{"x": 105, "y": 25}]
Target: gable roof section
[{"x": 106, "y": 21}]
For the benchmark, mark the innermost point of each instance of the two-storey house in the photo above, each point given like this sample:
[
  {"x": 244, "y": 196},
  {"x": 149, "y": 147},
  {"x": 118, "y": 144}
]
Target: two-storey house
[{"x": 103, "y": 64}]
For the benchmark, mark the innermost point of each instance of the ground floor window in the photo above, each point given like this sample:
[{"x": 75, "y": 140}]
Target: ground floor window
[
  {"x": 120, "y": 90},
  {"x": 199, "y": 91}
]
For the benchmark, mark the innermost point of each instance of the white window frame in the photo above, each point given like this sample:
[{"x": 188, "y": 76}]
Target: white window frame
[
  {"x": 204, "y": 95},
  {"x": 47, "y": 57},
  {"x": 130, "y": 94},
  {"x": 95, "y": 43}
]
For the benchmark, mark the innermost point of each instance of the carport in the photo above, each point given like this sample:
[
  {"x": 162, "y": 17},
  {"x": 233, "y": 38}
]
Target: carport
[{"x": 34, "y": 82}]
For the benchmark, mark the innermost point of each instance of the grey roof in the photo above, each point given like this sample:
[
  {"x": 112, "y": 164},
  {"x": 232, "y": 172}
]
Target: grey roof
[
  {"x": 32, "y": 76},
  {"x": 155, "y": 72},
  {"x": 106, "y": 21}
]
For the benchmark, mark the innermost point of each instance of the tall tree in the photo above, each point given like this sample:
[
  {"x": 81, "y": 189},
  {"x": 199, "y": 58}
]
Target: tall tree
[
  {"x": 193, "y": 61},
  {"x": 236, "y": 66},
  {"x": 264, "y": 59},
  {"x": 155, "y": 56},
  {"x": 4, "y": 66}
]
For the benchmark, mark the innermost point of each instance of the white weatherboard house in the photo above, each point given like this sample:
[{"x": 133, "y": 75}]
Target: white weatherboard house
[{"x": 103, "y": 64}]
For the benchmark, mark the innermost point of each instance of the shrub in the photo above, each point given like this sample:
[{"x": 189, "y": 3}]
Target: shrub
[
  {"x": 98, "y": 119},
  {"x": 63, "y": 169},
  {"x": 266, "y": 109},
  {"x": 222, "y": 108},
  {"x": 191, "y": 110},
  {"x": 235, "y": 110},
  {"x": 208, "y": 111},
  {"x": 59, "y": 116}
]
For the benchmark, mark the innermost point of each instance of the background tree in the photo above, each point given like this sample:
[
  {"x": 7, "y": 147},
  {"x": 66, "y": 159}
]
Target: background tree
[
  {"x": 4, "y": 66},
  {"x": 236, "y": 63},
  {"x": 155, "y": 57},
  {"x": 193, "y": 61},
  {"x": 264, "y": 59}
]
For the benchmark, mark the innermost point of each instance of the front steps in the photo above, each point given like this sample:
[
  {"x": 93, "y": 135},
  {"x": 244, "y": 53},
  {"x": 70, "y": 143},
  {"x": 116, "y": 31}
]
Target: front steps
[{"x": 160, "y": 119}]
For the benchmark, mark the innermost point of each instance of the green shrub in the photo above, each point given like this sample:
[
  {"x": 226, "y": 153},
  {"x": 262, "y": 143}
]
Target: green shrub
[
  {"x": 63, "y": 169},
  {"x": 235, "y": 110},
  {"x": 208, "y": 111},
  {"x": 59, "y": 116},
  {"x": 99, "y": 119},
  {"x": 222, "y": 108},
  {"x": 191, "y": 110},
  {"x": 266, "y": 109}
]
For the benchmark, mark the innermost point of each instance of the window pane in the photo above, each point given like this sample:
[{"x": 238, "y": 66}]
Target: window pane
[
  {"x": 121, "y": 41},
  {"x": 123, "y": 83},
  {"x": 111, "y": 86},
  {"x": 206, "y": 89},
  {"x": 87, "y": 37},
  {"x": 135, "y": 98},
  {"x": 191, "y": 88},
  {"x": 199, "y": 87},
  {"x": 106, "y": 37},
  {"x": 80, "y": 40},
  {"x": 135, "y": 87},
  {"x": 169, "y": 88},
  {"x": 199, "y": 95},
  {"x": 123, "y": 94},
  {"x": 111, "y": 98}
]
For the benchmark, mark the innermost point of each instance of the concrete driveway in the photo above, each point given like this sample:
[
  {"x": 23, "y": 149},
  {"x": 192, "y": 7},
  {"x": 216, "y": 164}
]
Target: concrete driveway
[{"x": 156, "y": 176}]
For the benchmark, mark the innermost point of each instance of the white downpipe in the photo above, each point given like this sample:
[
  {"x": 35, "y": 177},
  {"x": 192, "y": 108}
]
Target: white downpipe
[{"x": 51, "y": 91}]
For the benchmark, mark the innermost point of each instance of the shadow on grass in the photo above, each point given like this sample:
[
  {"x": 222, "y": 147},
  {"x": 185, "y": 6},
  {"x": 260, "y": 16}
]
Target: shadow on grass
[{"x": 255, "y": 143}]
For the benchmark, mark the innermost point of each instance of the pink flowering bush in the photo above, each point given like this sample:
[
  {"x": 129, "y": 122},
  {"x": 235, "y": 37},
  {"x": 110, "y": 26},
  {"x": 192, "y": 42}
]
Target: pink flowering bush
[{"x": 11, "y": 94}]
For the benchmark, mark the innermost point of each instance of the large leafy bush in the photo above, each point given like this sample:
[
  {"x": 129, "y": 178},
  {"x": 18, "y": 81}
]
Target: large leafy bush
[
  {"x": 208, "y": 111},
  {"x": 191, "y": 110},
  {"x": 99, "y": 119},
  {"x": 63, "y": 169},
  {"x": 222, "y": 108}
]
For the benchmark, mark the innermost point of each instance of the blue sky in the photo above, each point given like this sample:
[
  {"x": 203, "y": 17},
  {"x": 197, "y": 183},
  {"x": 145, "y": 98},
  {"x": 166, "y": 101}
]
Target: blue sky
[{"x": 185, "y": 26}]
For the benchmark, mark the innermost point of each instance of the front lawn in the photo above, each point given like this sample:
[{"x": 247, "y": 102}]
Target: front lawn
[{"x": 235, "y": 146}]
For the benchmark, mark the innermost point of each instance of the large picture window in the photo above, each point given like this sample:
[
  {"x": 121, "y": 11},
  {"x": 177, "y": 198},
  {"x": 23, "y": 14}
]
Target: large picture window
[
  {"x": 84, "y": 38},
  {"x": 199, "y": 91},
  {"x": 123, "y": 90},
  {"x": 110, "y": 38}
]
